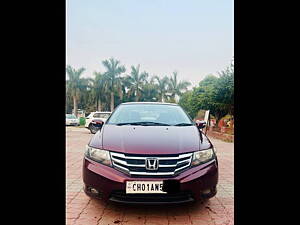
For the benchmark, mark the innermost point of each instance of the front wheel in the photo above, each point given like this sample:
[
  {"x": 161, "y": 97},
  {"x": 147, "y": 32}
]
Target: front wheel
[{"x": 93, "y": 129}]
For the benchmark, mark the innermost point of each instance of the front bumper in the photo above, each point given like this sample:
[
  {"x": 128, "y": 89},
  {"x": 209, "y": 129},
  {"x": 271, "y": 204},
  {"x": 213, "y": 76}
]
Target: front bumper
[{"x": 111, "y": 184}]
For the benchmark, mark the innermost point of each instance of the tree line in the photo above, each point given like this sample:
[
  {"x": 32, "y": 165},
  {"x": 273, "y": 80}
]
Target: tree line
[
  {"x": 214, "y": 93},
  {"x": 107, "y": 89}
]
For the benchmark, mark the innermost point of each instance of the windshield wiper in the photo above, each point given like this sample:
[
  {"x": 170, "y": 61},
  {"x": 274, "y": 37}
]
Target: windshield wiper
[
  {"x": 149, "y": 123},
  {"x": 183, "y": 124},
  {"x": 155, "y": 123}
]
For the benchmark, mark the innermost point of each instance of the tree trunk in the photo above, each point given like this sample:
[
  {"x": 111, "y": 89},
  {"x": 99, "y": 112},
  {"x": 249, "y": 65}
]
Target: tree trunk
[
  {"x": 99, "y": 108},
  {"x": 112, "y": 101},
  {"x": 172, "y": 98},
  {"x": 97, "y": 104},
  {"x": 75, "y": 105},
  {"x": 137, "y": 93}
]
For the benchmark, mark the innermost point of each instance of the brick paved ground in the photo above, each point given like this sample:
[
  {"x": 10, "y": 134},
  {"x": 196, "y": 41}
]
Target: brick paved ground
[{"x": 81, "y": 209}]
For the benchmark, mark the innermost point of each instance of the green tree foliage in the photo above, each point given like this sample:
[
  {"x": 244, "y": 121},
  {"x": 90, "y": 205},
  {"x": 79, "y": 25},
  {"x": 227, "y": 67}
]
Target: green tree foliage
[
  {"x": 175, "y": 87},
  {"x": 186, "y": 103},
  {"x": 224, "y": 95},
  {"x": 105, "y": 90},
  {"x": 162, "y": 87},
  {"x": 100, "y": 91},
  {"x": 75, "y": 85},
  {"x": 213, "y": 93},
  {"x": 113, "y": 79},
  {"x": 135, "y": 82},
  {"x": 201, "y": 97},
  {"x": 150, "y": 92}
]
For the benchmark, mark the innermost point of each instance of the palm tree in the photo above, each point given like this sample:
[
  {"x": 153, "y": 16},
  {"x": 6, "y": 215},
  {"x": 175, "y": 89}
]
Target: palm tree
[
  {"x": 75, "y": 84},
  {"x": 162, "y": 84},
  {"x": 136, "y": 80},
  {"x": 99, "y": 90},
  {"x": 175, "y": 87},
  {"x": 149, "y": 92},
  {"x": 112, "y": 78},
  {"x": 85, "y": 100}
]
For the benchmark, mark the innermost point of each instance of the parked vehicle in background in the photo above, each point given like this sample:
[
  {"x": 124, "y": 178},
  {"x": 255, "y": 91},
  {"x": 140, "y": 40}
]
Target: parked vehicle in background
[
  {"x": 97, "y": 118},
  {"x": 150, "y": 153},
  {"x": 71, "y": 120}
]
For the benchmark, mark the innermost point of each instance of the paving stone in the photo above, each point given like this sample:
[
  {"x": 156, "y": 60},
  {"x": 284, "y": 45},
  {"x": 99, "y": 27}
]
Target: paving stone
[{"x": 81, "y": 209}]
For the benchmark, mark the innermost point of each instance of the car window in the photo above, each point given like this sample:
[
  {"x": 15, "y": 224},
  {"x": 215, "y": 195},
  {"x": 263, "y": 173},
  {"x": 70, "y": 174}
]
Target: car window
[
  {"x": 104, "y": 115},
  {"x": 89, "y": 116},
  {"x": 96, "y": 115},
  {"x": 70, "y": 116},
  {"x": 168, "y": 114}
]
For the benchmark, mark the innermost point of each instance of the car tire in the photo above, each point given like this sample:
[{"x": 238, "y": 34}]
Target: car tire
[
  {"x": 92, "y": 129},
  {"x": 212, "y": 193}
]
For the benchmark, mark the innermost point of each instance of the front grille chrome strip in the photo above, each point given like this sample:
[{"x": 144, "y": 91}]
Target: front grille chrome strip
[
  {"x": 127, "y": 164},
  {"x": 120, "y": 167},
  {"x": 120, "y": 155},
  {"x": 134, "y": 167},
  {"x": 181, "y": 168},
  {"x": 151, "y": 174},
  {"x": 172, "y": 165},
  {"x": 184, "y": 161}
]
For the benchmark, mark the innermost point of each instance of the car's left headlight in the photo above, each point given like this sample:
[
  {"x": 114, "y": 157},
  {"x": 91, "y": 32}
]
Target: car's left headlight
[
  {"x": 98, "y": 155},
  {"x": 203, "y": 156}
]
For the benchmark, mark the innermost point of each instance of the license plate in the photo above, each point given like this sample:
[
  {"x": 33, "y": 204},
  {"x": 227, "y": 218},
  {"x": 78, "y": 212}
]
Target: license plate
[{"x": 144, "y": 187}]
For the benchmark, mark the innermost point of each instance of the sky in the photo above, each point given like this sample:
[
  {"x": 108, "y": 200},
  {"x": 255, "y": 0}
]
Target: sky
[{"x": 192, "y": 37}]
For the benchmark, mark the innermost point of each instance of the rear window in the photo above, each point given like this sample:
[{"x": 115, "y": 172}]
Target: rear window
[
  {"x": 96, "y": 115},
  {"x": 104, "y": 115},
  {"x": 69, "y": 116},
  {"x": 101, "y": 115}
]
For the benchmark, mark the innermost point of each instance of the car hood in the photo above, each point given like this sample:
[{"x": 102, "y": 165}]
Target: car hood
[{"x": 152, "y": 139}]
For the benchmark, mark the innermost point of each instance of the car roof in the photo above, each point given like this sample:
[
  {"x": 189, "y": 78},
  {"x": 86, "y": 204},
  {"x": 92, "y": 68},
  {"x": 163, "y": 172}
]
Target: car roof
[{"x": 153, "y": 103}]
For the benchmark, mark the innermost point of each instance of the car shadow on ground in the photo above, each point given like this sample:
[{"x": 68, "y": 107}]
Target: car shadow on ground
[{"x": 183, "y": 209}]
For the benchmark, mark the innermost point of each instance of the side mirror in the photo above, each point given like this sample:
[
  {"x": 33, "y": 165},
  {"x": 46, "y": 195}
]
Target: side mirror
[{"x": 200, "y": 124}]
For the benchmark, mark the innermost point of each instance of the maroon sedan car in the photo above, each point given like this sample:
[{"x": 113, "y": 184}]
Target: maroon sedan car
[{"x": 150, "y": 153}]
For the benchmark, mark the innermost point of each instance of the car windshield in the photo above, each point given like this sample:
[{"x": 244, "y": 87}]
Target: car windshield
[
  {"x": 150, "y": 115},
  {"x": 70, "y": 116}
]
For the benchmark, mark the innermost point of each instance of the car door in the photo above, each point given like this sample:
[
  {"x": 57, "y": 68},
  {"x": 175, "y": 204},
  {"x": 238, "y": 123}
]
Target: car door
[{"x": 89, "y": 119}]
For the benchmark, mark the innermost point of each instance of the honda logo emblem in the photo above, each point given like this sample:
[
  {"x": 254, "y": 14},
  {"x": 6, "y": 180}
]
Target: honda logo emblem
[{"x": 151, "y": 164}]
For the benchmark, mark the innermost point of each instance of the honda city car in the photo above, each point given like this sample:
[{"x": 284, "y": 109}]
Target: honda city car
[{"x": 150, "y": 153}]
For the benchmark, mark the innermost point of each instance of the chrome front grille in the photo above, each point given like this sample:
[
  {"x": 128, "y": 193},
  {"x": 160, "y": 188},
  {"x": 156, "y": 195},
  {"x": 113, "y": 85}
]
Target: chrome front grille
[{"x": 168, "y": 165}]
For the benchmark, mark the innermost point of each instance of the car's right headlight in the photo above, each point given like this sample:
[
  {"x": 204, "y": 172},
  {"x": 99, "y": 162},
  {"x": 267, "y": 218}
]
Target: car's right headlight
[
  {"x": 98, "y": 155},
  {"x": 202, "y": 156}
]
